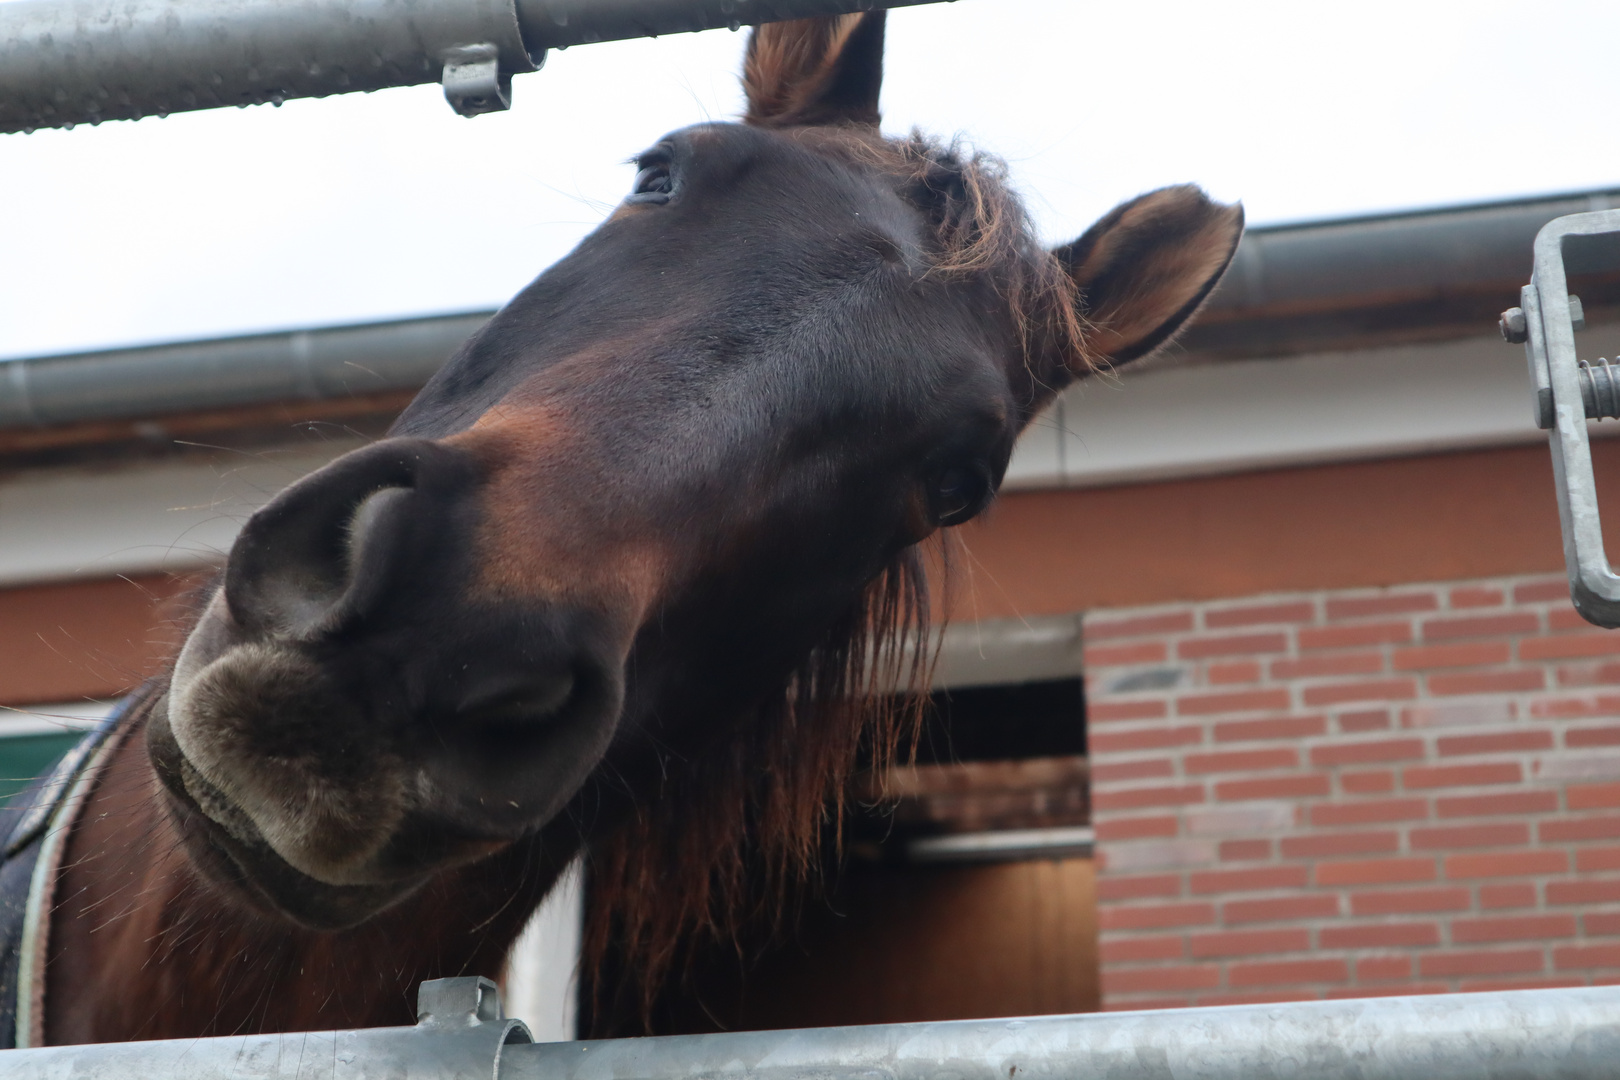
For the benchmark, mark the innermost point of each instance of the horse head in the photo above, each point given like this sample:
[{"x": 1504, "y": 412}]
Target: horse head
[{"x": 621, "y": 520}]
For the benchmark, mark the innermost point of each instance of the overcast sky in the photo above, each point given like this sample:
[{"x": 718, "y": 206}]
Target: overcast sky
[{"x": 388, "y": 204}]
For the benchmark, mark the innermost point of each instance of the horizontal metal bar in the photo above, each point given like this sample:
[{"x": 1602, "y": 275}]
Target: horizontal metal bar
[
  {"x": 66, "y": 62},
  {"x": 1526, "y": 1035},
  {"x": 1571, "y": 1034},
  {"x": 1003, "y": 845}
]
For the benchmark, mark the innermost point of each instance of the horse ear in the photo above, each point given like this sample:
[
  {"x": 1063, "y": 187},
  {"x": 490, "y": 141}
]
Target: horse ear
[
  {"x": 826, "y": 70},
  {"x": 1147, "y": 266}
]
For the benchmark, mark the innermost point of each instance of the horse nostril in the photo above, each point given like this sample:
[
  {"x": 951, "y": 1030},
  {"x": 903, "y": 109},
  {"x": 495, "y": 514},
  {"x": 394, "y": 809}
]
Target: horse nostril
[
  {"x": 508, "y": 703},
  {"x": 325, "y": 550}
]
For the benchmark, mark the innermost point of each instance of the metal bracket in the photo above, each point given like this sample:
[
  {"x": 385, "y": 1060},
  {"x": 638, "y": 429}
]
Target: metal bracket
[
  {"x": 1568, "y": 392},
  {"x": 474, "y": 82}
]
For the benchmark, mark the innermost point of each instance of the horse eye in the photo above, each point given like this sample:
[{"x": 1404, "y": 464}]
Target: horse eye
[
  {"x": 958, "y": 494},
  {"x": 652, "y": 184}
]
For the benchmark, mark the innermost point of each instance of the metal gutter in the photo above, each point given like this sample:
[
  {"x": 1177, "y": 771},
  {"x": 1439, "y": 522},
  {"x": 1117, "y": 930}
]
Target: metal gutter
[
  {"x": 67, "y": 62},
  {"x": 1385, "y": 278},
  {"x": 193, "y": 376},
  {"x": 1567, "y": 1034},
  {"x": 1311, "y": 287}
]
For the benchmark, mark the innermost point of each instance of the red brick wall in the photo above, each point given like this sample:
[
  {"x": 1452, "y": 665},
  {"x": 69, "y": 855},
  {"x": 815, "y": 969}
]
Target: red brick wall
[{"x": 1355, "y": 793}]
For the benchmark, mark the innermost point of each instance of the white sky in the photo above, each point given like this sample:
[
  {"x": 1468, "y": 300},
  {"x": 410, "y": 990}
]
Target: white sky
[{"x": 382, "y": 205}]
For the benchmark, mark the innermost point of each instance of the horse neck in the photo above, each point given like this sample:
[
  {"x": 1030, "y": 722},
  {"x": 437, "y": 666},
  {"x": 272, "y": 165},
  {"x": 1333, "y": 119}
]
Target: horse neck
[{"x": 142, "y": 948}]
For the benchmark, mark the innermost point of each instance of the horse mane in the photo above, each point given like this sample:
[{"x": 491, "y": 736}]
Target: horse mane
[{"x": 719, "y": 845}]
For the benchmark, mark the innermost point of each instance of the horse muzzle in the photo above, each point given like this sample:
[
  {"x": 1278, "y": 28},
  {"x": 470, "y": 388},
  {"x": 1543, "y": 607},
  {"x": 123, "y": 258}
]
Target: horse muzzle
[{"x": 351, "y": 715}]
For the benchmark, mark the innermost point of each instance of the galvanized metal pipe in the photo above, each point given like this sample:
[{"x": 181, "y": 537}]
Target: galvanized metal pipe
[
  {"x": 1524, "y": 1035},
  {"x": 66, "y": 62}
]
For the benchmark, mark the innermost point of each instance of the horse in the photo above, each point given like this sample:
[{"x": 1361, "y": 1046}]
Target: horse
[{"x": 623, "y": 580}]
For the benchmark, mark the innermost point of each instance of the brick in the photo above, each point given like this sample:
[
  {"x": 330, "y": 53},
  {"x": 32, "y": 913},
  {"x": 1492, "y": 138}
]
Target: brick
[
  {"x": 1593, "y": 796},
  {"x": 1512, "y": 928},
  {"x": 1570, "y": 646},
  {"x": 1233, "y": 673},
  {"x": 1286, "y": 972},
  {"x": 1119, "y": 1003},
  {"x": 1248, "y": 943},
  {"x": 1113, "y": 887},
  {"x": 1513, "y": 681},
  {"x": 1157, "y": 855},
  {"x": 1137, "y": 828},
  {"x": 1287, "y": 611},
  {"x": 1568, "y": 957},
  {"x": 1106, "y": 772},
  {"x": 1564, "y": 830},
  {"x": 1201, "y": 648},
  {"x": 1280, "y": 909},
  {"x": 1575, "y": 708},
  {"x": 1169, "y": 622},
  {"x": 1503, "y": 804},
  {"x": 1541, "y": 592},
  {"x": 1241, "y": 760},
  {"x": 1471, "y": 714},
  {"x": 1155, "y": 916},
  {"x": 1409, "y": 901},
  {"x": 1365, "y": 690},
  {"x": 1325, "y": 664},
  {"x": 1355, "y": 753},
  {"x": 1160, "y": 979},
  {"x": 1231, "y": 701},
  {"x": 1513, "y": 622},
  {"x": 1361, "y": 607},
  {"x": 1380, "y": 936},
  {"x": 1374, "y": 782},
  {"x": 1097, "y": 711},
  {"x": 1601, "y": 923},
  {"x": 1495, "y": 962},
  {"x": 1506, "y": 864},
  {"x": 1511, "y": 895},
  {"x": 1135, "y": 652},
  {"x": 1383, "y": 968},
  {"x": 1248, "y": 880},
  {"x": 1476, "y": 596},
  {"x": 1143, "y": 797},
  {"x": 1267, "y": 998},
  {"x": 1502, "y": 742},
  {"x": 1329, "y": 844},
  {"x": 1281, "y": 787},
  {"x": 1506, "y": 834},
  {"x": 1465, "y": 654},
  {"x": 1418, "y": 777},
  {"x": 1351, "y": 637},
  {"x": 1603, "y": 736},
  {"x": 1583, "y": 891},
  {"x": 1404, "y": 990},
  {"x": 1141, "y": 949},
  {"x": 1595, "y": 860},
  {"x": 1498, "y": 985},
  {"x": 1369, "y": 811},
  {"x": 1375, "y": 871},
  {"x": 1364, "y": 720},
  {"x": 1566, "y": 618},
  {"x": 1245, "y": 850},
  {"x": 1281, "y": 727},
  {"x": 1239, "y": 820},
  {"x": 1148, "y": 738}
]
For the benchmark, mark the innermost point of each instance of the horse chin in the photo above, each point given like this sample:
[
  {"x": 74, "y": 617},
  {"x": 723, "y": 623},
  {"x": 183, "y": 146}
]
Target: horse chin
[{"x": 231, "y": 853}]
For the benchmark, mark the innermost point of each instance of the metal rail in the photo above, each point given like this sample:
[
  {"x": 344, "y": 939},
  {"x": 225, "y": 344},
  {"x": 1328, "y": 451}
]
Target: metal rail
[
  {"x": 1524, "y": 1035},
  {"x": 67, "y": 62}
]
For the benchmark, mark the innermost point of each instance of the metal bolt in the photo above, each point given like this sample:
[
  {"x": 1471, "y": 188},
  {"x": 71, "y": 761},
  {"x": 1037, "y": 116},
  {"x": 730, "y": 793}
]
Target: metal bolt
[{"x": 1515, "y": 331}]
